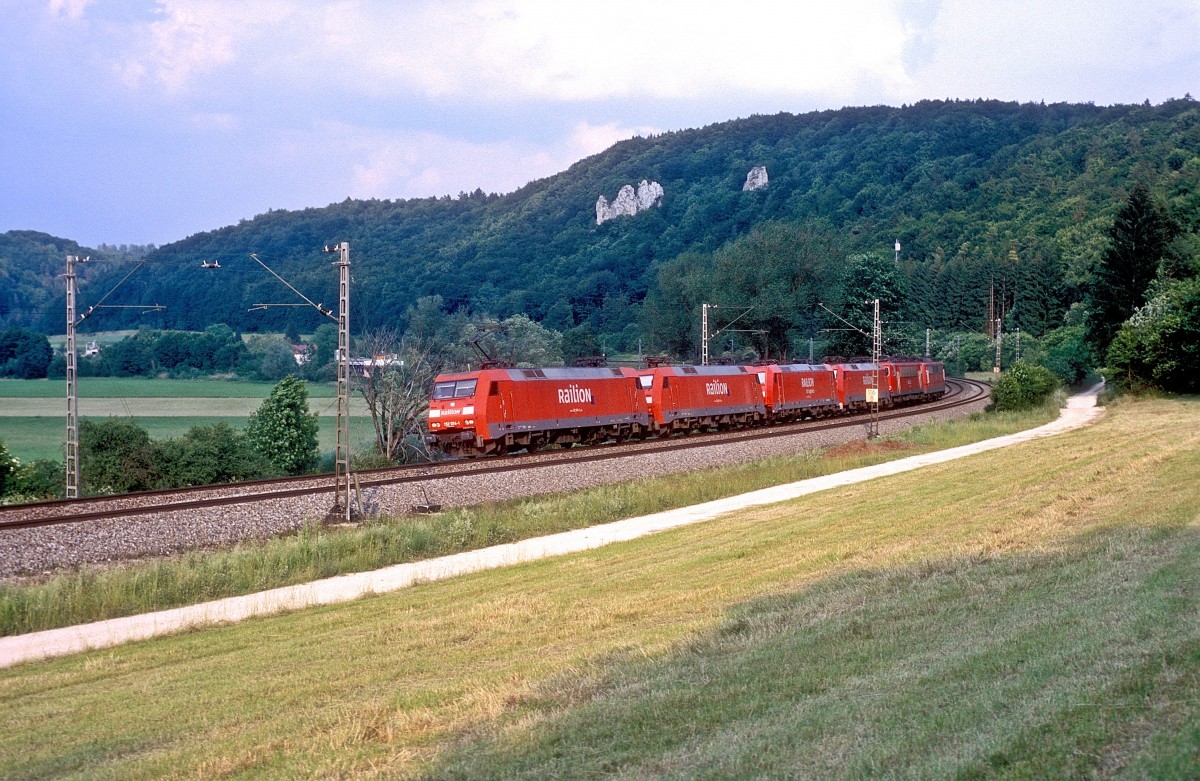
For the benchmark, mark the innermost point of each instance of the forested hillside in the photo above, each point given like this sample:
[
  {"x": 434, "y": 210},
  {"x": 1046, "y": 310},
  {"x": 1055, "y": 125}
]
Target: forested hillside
[
  {"x": 991, "y": 202},
  {"x": 30, "y": 266}
]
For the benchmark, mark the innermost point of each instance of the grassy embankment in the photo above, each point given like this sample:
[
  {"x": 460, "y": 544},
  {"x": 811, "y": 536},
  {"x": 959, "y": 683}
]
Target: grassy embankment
[
  {"x": 33, "y": 412},
  {"x": 1032, "y": 612},
  {"x": 95, "y": 594}
]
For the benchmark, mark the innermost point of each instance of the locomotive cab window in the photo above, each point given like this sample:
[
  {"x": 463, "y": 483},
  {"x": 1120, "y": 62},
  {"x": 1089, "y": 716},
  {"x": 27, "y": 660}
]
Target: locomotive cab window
[
  {"x": 646, "y": 381},
  {"x": 493, "y": 388},
  {"x": 454, "y": 390}
]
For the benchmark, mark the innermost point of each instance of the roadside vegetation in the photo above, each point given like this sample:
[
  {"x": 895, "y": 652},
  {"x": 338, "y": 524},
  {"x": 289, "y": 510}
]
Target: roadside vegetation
[
  {"x": 1027, "y": 613},
  {"x": 96, "y": 593}
]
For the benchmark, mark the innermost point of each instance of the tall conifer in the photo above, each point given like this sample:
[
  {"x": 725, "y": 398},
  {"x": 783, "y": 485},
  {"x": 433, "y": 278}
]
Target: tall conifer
[{"x": 1137, "y": 241}]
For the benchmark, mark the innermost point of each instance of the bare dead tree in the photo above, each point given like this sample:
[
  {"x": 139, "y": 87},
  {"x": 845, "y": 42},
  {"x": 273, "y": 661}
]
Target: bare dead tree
[{"x": 395, "y": 379}]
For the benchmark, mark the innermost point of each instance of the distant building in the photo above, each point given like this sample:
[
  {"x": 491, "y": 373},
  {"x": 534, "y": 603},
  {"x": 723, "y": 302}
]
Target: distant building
[
  {"x": 91, "y": 349},
  {"x": 303, "y": 353},
  {"x": 368, "y": 365}
]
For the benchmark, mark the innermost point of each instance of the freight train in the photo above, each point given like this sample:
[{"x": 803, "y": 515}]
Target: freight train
[{"x": 493, "y": 411}]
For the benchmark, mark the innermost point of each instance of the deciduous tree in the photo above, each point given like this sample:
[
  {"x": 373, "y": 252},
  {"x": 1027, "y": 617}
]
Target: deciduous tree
[
  {"x": 396, "y": 389},
  {"x": 283, "y": 430},
  {"x": 24, "y": 354}
]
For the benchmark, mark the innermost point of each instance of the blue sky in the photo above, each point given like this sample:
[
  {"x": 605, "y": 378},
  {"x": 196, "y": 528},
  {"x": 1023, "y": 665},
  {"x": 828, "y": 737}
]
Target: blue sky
[{"x": 145, "y": 121}]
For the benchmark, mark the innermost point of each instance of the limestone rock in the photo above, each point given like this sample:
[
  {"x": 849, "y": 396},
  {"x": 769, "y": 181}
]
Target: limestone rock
[
  {"x": 629, "y": 201},
  {"x": 756, "y": 179}
]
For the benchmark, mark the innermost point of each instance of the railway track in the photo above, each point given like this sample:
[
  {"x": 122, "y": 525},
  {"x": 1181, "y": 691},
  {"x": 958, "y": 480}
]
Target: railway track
[{"x": 171, "y": 502}]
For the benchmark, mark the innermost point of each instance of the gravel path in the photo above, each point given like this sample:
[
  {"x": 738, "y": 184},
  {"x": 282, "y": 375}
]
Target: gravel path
[{"x": 1081, "y": 409}]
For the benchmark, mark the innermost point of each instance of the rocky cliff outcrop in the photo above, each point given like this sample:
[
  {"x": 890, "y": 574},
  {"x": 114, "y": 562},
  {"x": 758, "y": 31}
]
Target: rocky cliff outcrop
[
  {"x": 756, "y": 179},
  {"x": 629, "y": 201}
]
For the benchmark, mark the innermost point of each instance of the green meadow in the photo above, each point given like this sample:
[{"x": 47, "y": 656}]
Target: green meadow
[
  {"x": 33, "y": 412},
  {"x": 1032, "y": 612}
]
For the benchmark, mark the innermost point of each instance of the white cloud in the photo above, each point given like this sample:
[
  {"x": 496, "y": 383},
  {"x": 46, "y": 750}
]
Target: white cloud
[
  {"x": 189, "y": 38},
  {"x": 521, "y": 49},
  {"x": 626, "y": 48},
  {"x": 587, "y": 139},
  {"x": 377, "y": 163},
  {"x": 69, "y": 9},
  {"x": 501, "y": 51},
  {"x": 1074, "y": 50},
  {"x": 387, "y": 164}
]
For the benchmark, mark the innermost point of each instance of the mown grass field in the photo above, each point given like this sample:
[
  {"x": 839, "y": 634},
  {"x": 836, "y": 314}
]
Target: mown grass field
[
  {"x": 1027, "y": 613},
  {"x": 100, "y": 592}
]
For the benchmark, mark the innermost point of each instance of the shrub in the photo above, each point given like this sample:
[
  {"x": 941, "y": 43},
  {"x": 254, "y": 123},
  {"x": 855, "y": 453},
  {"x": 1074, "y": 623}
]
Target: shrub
[
  {"x": 1023, "y": 386},
  {"x": 36, "y": 481},
  {"x": 1159, "y": 346},
  {"x": 207, "y": 455},
  {"x": 116, "y": 456},
  {"x": 1067, "y": 353},
  {"x": 8, "y": 468}
]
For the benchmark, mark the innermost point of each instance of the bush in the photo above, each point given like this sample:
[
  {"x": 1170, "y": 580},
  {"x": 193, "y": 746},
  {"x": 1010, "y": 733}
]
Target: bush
[
  {"x": 1067, "y": 353},
  {"x": 1159, "y": 346},
  {"x": 207, "y": 455},
  {"x": 116, "y": 455},
  {"x": 36, "y": 481},
  {"x": 1023, "y": 386},
  {"x": 8, "y": 468}
]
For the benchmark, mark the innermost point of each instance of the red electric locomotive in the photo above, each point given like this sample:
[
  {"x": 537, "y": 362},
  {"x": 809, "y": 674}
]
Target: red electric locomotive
[
  {"x": 492, "y": 411},
  {"x": 855, "y": 381},
  {"x": 913, "y": 379},
  {"x": 901, "y": 378},
  {"x": 797, "y": 390},
  {"x": 933, "y": 379},
  {"x": 683, "y": 398}
]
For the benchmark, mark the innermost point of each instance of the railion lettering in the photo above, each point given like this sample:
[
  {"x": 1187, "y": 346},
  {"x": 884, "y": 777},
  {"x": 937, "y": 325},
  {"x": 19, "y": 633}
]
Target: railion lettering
[
  {"x": 716, "y": 388},
  {"x": 573, "y": 394}
]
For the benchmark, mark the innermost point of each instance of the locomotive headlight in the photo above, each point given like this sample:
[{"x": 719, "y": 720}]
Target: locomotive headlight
[
  {"x": 469, "y": 410},
  {"x": 435, "y": 413}
]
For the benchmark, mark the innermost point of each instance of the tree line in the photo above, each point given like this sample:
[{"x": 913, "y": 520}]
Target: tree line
[{"x": 973, "y": 190}]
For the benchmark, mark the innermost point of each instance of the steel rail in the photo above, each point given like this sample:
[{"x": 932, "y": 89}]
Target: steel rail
[{"x": 255, "y": 492}]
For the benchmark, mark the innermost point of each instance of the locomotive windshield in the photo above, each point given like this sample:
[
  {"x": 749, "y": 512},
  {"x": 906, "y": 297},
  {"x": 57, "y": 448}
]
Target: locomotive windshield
[{"x": 454, "y": 390}]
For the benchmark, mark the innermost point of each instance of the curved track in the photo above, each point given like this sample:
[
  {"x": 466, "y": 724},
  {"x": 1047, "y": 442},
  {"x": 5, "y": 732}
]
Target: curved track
[{"x": 961, "y": 392}]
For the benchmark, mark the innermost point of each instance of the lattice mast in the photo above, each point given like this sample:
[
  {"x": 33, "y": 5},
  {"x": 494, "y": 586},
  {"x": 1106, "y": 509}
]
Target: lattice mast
[
  {"x": 341, "y": 503},
  {"x": 72, "y": 391},
  {"x": 876, "y": 356}
]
